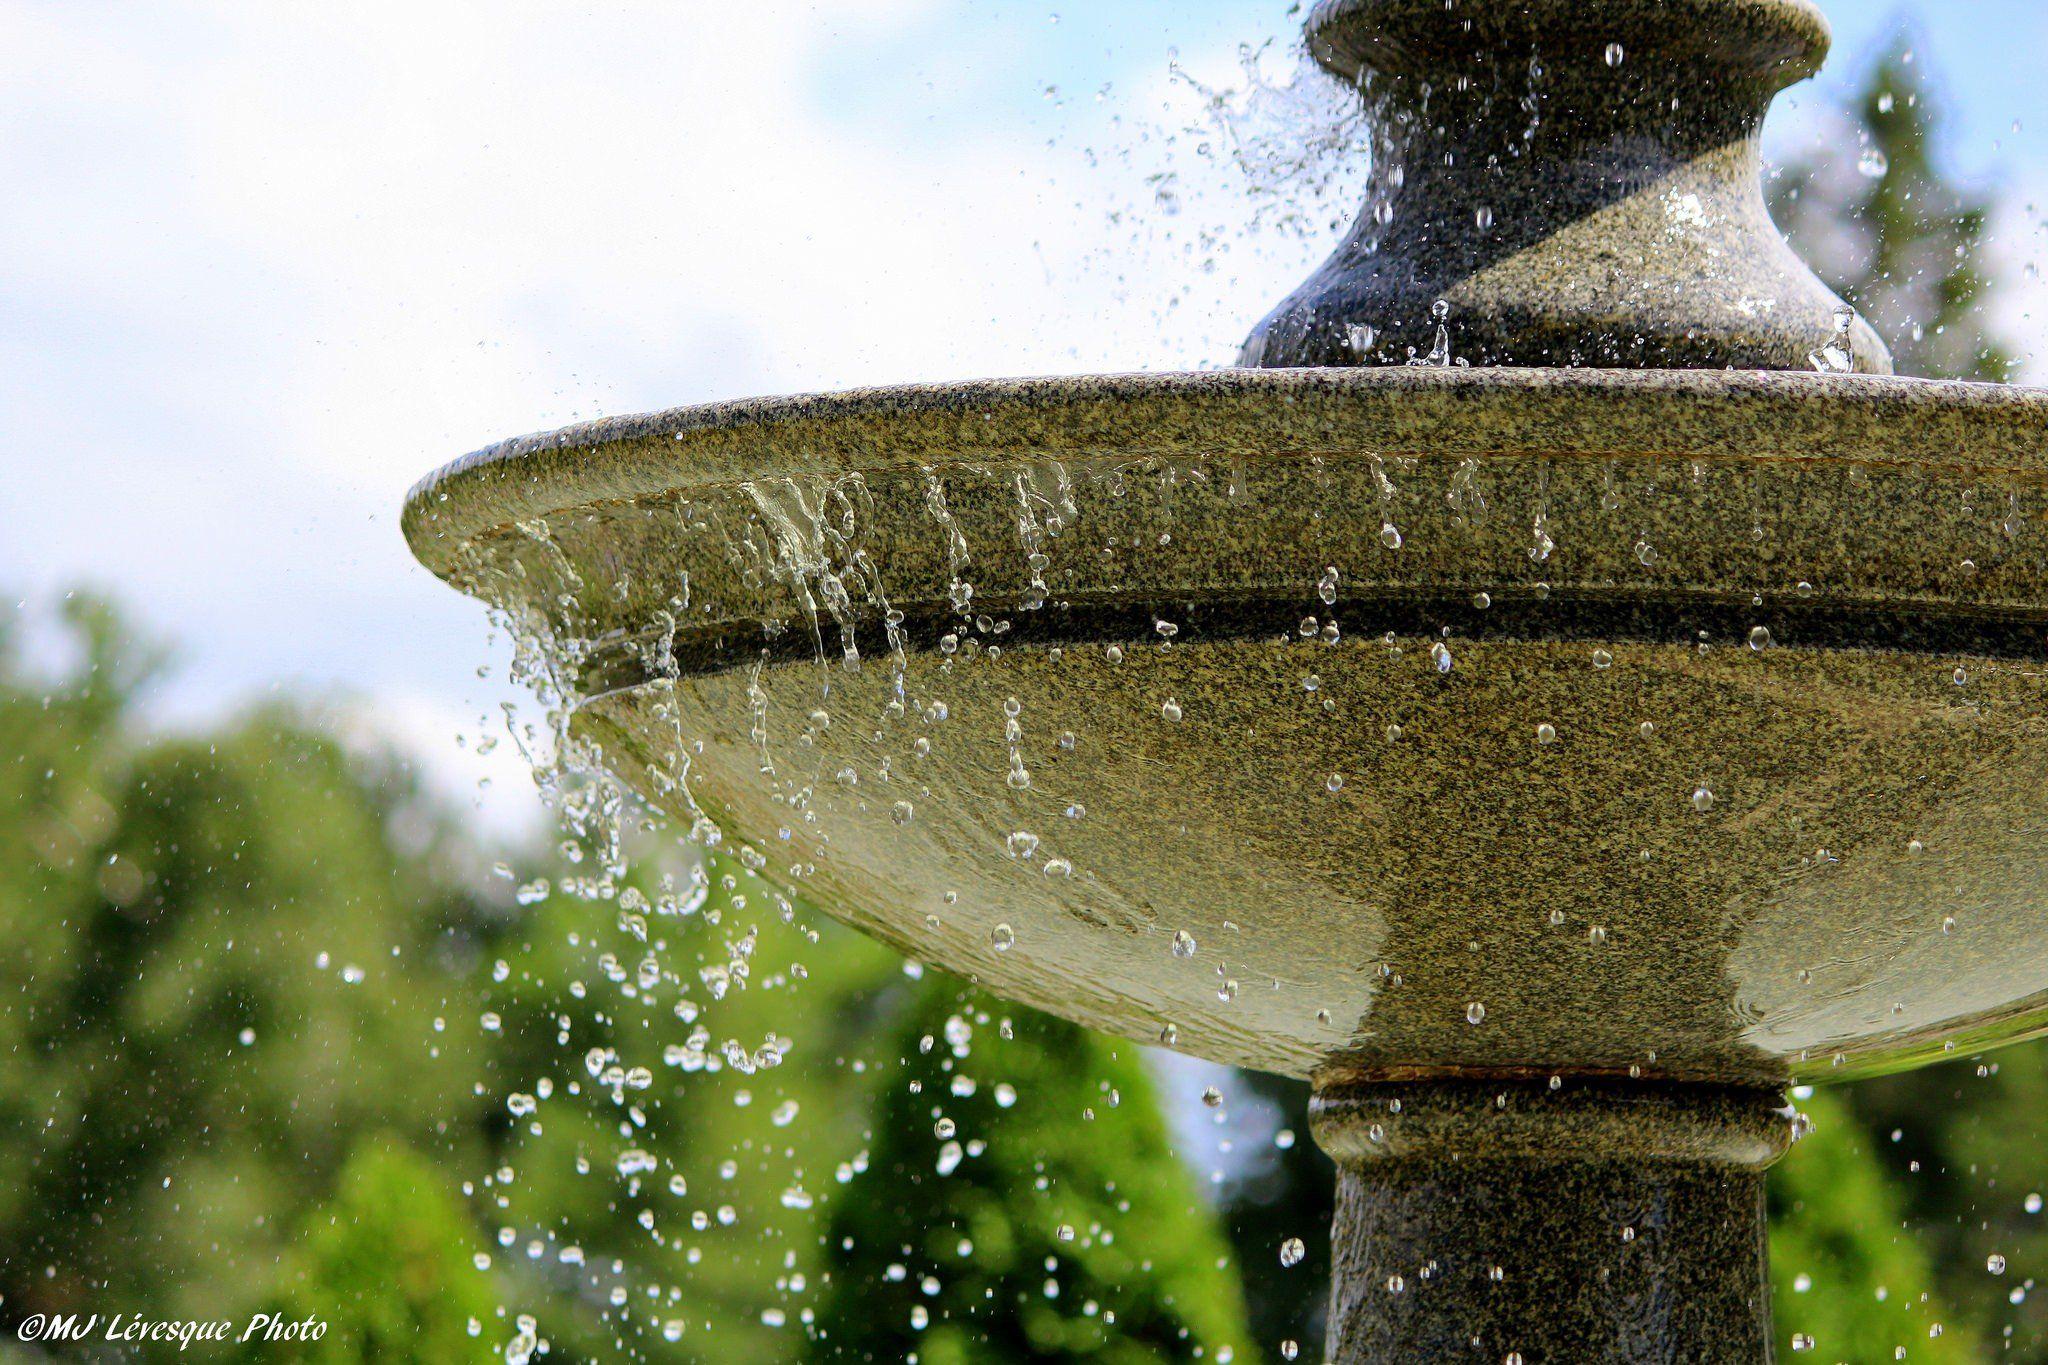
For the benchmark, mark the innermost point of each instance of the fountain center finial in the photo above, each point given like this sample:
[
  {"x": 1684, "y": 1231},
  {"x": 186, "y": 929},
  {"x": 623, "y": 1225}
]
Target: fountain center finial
[{"x": 1579, "y": 179}]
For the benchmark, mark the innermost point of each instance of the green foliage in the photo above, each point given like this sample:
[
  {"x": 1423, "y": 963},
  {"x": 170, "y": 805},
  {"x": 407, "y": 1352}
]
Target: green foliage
[
  {"x": 219, "y": 959},
  {"x": 1963, "y": 1148},
  {"x": 1904, "y": 245},
  {"x": 756, "y": 1151},
  {"x": 1028, "y": 1206},
  {"x": 1847, "y": 1270},
  {"x": 388, "y": 1265}
]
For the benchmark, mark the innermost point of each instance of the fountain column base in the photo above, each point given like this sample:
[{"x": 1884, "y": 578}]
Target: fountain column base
[{"x": 1602, "y": 1221}]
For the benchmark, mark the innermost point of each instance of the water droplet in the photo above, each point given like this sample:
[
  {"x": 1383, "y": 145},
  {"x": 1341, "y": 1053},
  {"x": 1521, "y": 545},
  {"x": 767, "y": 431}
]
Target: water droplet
[
  {"x": 1292, "y": 1251},
  {"x": 1171, "y": 710},
  {"x": 1002, "y": 937},
  {"x": 1995, "y": 1263},
  {"x": 1390, "y": 535},
  {"x": 1873, "y": 163},
  {"x": 1475, "y": 1013},
  {"x": 1838, "y": 356},
  {"x": 1183, "y": 944},
  {"x": 1440, "y": 653},
  {"x": 1212, "y": 1097},
  {"x": 1616, "y": 54},
  {"x": 902, "y": 812},
  {"x": 1760, "y": 638},
  {"x": 1546, "y": 733},
  {"x": 1702, "y": 799}
]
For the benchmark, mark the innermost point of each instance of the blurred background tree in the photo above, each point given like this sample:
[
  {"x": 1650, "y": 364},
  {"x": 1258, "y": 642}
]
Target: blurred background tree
[
  {"x": 1893, "y": 231},
  {"x": 1032, "y": 1207}
]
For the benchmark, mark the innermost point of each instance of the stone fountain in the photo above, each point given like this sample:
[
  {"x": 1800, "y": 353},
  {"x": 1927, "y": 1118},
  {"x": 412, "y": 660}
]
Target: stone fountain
[{"x": 1553, "y": 757}]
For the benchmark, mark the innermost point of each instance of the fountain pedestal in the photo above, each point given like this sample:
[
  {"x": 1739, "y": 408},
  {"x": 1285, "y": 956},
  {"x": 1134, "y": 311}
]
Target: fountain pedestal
[{"x": 1597, "y": 1222}]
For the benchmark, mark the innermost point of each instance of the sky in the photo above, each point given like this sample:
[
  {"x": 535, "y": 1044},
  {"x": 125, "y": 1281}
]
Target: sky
[{"x": 262, "y": 266}]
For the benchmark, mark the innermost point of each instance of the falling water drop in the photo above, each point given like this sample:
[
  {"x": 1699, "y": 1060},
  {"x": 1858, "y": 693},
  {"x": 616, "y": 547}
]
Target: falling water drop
[
  {"x": 1002, "y": 937},
  {"x": 1183, "y": 944},
  {"x": 1475, "y": 1013},
  {"x": 1292, "y": 1251},
  {"x": 1838, "y": 356}
]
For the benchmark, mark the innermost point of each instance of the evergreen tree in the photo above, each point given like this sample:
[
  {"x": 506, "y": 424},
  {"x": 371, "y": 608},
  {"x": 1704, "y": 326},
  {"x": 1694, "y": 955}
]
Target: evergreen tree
[
  {"x": 1890, "y": 230},
  {"x": 1025, "y": 1205}
]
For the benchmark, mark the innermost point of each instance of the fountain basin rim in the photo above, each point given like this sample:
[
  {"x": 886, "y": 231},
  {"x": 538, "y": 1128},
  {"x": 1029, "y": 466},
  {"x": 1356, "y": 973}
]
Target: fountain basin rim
[
  {"x": 1347, "y": 36},
  {"x": 1218, "y": 414}
]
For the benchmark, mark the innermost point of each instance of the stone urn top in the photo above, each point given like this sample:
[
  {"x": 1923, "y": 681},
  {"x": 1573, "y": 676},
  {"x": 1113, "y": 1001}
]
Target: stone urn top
[
  {"x": 1579, "y": 181},
  {"x": 1781, "y": 40}
]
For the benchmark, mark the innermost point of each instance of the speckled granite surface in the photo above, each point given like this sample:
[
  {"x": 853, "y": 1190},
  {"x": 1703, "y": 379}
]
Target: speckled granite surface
[{"x": 1580, "y": 181}]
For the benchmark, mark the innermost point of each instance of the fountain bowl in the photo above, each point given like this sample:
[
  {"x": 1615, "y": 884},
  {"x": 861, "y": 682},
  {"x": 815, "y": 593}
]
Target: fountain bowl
[{"x": 1372, "y": 725}]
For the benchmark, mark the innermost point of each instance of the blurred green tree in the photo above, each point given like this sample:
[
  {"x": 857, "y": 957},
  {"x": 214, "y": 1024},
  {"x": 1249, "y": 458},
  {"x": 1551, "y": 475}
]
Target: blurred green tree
[
  {"x": 218, "y": 958},
  {"x": 1024, "y": 1205},
  {"x": 1848, "y": 1271},
  {"x": 388, "y": 1264},
  {"x": 1891, "y": 230}
]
